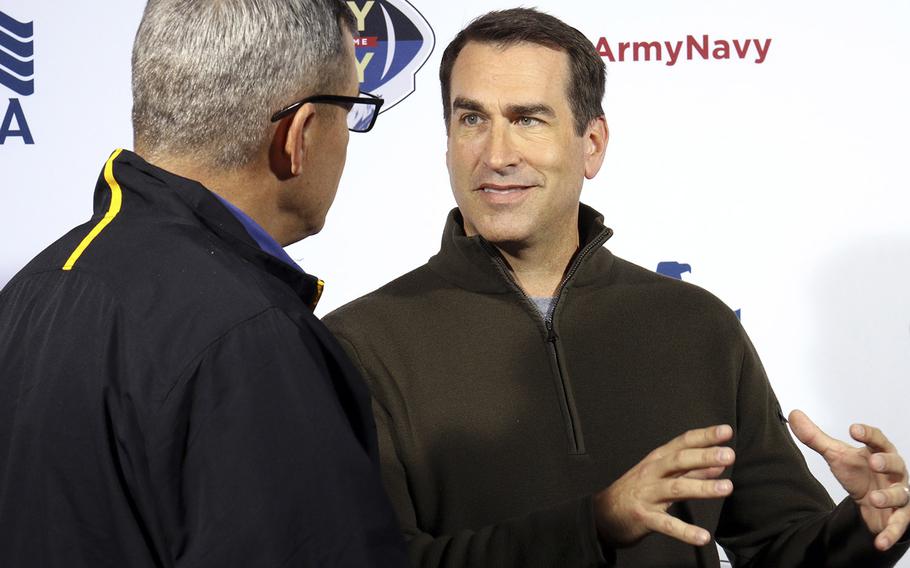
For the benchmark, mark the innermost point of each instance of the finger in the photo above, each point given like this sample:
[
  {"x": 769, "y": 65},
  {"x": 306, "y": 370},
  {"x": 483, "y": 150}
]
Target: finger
[
  {"x": 872, "y": 437},
  {"x": 888, "y": 464},
  {"x": 674, "y": 528},
  {"x": 684, "y": 489},
  {"x": 897, "y": 526},
  {"x": 699, "y": 438},
  {"x": 706, "y": 473},
  {"x": 894, "y": 497},
  {"x": 684, "y": 461},
  {"x": 811, "y": 435}
]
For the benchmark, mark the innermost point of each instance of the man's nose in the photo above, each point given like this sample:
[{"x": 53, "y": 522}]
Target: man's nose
[{"x": 500, "y": 151}]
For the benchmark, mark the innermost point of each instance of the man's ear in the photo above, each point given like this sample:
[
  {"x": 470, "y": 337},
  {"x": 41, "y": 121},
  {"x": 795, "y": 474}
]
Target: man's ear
[
  {"x": 596, "y": 137},
  {"x": 292, "y": 140},
  {"x": 300, "y": 137}
]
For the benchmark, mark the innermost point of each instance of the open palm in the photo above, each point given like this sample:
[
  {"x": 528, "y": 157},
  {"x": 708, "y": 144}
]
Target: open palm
[{"x": 874, "y": 475}]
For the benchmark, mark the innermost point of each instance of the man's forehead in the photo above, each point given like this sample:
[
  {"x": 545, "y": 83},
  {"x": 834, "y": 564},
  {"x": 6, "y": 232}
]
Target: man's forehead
[
  {"x": 498, "y": 56},
  {"x": 513, "y": 70}
]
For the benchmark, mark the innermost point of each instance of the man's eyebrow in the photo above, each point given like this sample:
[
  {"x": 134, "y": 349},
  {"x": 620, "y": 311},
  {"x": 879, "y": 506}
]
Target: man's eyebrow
[
  {"x": 531, "y": 110},
  {"x": 467, "y": 104},
  {"x": 538, "y": 109}
]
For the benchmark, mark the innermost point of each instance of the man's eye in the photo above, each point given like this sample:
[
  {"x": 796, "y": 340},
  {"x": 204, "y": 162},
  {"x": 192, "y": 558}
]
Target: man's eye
[
  {"x": 528, "y": 121},
  {"x": 470, "y": 120}
]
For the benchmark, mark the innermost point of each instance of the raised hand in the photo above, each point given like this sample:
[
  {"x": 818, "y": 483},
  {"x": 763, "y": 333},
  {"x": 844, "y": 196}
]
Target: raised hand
[
  {"x": 685, "y": 468},
  {"x": 875, "y": 475}
]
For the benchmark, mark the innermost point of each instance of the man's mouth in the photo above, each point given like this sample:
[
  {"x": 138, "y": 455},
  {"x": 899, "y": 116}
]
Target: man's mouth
[
  {"x": 496, "y": 195},
  {"x": 502, "y": 189}
]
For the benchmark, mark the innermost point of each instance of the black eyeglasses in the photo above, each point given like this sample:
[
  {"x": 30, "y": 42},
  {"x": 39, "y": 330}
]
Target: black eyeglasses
[{"x": 362, "y": 110}]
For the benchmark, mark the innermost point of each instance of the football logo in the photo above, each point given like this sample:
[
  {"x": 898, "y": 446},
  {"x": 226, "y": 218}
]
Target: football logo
[{"x": 394, "y": 41}]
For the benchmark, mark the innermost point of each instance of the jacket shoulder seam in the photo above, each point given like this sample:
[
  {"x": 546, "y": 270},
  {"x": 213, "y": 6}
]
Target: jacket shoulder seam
[{"x": 186, "y": 368}]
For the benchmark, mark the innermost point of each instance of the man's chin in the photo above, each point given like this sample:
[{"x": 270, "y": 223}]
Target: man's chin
[
  {"x": 506, "y": 238},
  {"x": 308, "y": 229},
  {"x": 503, "y": 227}
]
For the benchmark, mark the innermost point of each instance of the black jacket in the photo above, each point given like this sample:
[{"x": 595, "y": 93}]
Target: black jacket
[
  {"x": 496, "y": 425},
  {"x": 167, "y": 398}
]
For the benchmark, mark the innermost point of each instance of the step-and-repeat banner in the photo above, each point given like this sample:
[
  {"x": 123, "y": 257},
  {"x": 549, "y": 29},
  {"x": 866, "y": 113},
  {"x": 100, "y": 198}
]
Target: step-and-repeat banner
[{"x": 757, "y": 149}]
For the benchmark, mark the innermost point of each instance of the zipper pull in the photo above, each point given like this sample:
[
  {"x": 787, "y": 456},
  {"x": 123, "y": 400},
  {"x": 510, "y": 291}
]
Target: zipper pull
[{"x": 551, "y": 335}]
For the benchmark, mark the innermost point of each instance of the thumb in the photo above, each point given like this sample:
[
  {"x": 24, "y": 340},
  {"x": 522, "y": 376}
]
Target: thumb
[{"x": 809, "y": 434}]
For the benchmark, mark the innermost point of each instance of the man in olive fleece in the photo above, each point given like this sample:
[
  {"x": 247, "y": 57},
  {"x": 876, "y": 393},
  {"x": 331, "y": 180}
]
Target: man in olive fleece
[{"x": 541, "y": 402}]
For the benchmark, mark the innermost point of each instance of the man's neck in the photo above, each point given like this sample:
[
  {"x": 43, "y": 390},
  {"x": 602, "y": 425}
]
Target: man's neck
[
  {"x": 539, "y": 269},
  {"x": 237, "y": 187}
]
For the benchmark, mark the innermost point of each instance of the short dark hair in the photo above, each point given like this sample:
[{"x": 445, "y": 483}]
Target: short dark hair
[{"x": 508, "y": 27}]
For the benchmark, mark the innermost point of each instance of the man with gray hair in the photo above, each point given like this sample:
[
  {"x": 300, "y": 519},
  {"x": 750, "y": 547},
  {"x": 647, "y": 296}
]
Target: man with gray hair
[{"x": 167, "y": 397}]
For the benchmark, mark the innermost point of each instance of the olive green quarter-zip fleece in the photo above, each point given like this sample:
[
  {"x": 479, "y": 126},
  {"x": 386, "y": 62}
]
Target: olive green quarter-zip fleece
[{"x": 497, "y": 424}]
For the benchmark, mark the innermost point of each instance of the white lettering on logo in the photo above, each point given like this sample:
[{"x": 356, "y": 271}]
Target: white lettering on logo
[
  {"x": 361, "y": 13},
  {"x": 362, "y": 65}
]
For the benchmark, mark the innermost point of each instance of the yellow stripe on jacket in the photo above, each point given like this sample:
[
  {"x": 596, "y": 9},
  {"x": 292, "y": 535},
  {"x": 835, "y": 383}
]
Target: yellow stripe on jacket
[{"x": 116, "y": 201}]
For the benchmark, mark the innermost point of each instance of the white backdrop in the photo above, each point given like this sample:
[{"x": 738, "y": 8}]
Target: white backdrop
[{"x": 782, "y": 184}]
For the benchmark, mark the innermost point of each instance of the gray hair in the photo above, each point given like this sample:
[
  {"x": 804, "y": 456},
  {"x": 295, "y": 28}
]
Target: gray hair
[{"x": 208, "y": 74}]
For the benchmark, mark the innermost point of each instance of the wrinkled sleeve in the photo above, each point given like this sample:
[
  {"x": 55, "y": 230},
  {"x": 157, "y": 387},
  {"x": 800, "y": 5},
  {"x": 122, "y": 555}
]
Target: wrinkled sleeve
[
  {"x": 779, "y": 515},
  {"x": 272, "y": 474},
  {"x": 563, "y": 535}
]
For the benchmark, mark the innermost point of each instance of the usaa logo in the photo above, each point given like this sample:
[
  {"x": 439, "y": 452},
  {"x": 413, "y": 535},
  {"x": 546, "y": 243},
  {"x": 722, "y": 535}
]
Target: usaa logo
[
  {"x": 394, "y": 41},
  {"x": 17, "y": 73},
  {"x": 675, "y": 270}
]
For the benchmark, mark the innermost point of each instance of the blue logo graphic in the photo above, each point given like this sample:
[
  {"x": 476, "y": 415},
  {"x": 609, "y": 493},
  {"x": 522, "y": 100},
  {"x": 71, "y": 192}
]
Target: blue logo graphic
[
  {"x": 17, "y": 73},
  {"x": 17, "y": 67},
  {"x": 675, "y": 270},
  {"x": 394, "y": 41}
]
